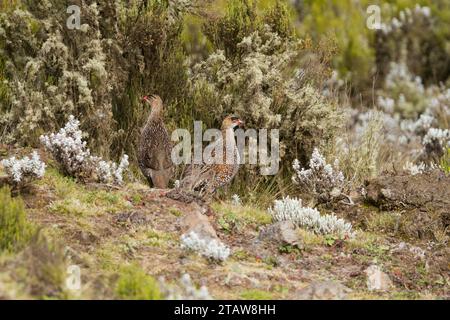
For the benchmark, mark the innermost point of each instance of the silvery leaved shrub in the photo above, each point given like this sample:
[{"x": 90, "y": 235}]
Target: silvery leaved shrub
[
  {"x": 74, "y": 158},
  {"x": 321, "y": 179},
  {"x": 22, "y": 171},
  {"x": 209, "y": 248},
  {"x": 288, "y": 209}
]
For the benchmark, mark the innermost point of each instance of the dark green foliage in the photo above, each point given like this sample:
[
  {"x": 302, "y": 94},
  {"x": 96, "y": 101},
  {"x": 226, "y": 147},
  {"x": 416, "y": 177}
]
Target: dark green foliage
[
  {"x": 15, "y": 230},
  {"x": 241, "y": 19},
  {"x": 135, "y": 284}
]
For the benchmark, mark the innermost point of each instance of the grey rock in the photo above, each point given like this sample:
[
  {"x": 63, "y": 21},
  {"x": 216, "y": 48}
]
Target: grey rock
[
  {"x": 282, "y": 232},
  {"x": 377, "y": 280},
  {"x": 324, "y": 290}
]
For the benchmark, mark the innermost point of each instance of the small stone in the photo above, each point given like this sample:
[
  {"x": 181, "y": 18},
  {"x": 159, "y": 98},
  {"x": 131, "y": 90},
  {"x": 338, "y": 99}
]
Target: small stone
[
  {"x": 324, "y": 290},
  {"x": 377, "y": 280},
  {"x": 199, "y": 223},
  {"x": 282, "y": 232}
]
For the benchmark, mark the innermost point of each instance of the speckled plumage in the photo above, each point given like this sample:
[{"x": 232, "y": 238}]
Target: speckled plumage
[
  {"x": 205, "y": 179},
  {"x": 155, "y": 147}
]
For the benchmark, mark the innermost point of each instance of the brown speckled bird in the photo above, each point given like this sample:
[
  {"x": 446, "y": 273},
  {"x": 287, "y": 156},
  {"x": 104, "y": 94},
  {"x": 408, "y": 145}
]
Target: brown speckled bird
[
  {"x": 205, "y": 179},
  {"x": 155, "y": 147}
]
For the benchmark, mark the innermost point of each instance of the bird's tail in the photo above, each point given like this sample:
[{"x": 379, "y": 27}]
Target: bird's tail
[{"x": 161, "y": 178}]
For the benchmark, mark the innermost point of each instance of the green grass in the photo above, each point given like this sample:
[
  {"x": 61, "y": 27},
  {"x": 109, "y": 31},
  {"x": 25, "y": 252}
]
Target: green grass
[
  {"x": 15, "y": 230},
  {"x": 158, "y": 238},
  {"x": 76, "y": 199},
  {"x": 237, "y": 217},
  {"x": 255, "y": 294},
  {"x": 135, "y": 284}
]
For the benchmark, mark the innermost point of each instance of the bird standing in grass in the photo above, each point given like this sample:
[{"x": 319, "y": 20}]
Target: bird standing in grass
[
  {"x": 155, "y": 147},
  {"x": 206, "y": 178}
]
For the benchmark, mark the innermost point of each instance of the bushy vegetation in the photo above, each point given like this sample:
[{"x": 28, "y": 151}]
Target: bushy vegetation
[
  {"x": 15, "y": 230},
  {"x": 135, "y": 284},
  {"x": 278, "y": 65}
]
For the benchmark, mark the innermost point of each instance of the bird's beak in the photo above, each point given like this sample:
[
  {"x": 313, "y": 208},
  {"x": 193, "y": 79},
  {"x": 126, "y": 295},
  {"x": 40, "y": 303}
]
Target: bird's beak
[{"x": 240, "y": 123}]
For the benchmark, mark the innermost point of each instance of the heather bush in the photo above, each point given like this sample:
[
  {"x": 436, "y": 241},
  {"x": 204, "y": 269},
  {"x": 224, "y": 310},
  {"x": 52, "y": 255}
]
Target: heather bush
[
  {"x": 416, "y": 35},
  {"x": 263, "y": 87},
  {"x": 98, "y": 72},
  {"x": 365, "y": 55},
  {"x": 15, "y": 230}
]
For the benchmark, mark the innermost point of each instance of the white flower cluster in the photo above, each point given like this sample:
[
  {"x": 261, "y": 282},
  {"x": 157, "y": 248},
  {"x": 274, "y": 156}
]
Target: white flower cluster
[
  {"x": 414, "y": 169},
  {"x": 210, "y": 248},
  {"x": 68, "y": 148},
  {"x": 437, "y": 137},
  {"x": 420, "y": 126},
  {"x": 25, "y": 169},
  {"x": 185, "y": 290},
  {"x": 406, "y": 17},
  {"x": 70, "y": 151},
  {"x": 399, "y": 73},
  {"x": 236, "y": 200},
  {"x": 108, "y": 171},
  {"x": 320, "y": 178},
  {"x": 289, "y": 209}
]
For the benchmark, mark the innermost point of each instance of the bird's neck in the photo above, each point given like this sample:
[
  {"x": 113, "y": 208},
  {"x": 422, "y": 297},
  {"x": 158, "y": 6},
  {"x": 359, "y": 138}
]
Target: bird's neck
[
  {"x": 228, "y": 137},
  {"x": 155, "y": 114}
]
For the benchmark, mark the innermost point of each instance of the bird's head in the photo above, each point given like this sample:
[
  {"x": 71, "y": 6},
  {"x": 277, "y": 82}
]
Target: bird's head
[
  {"x": 232, "y": 121},
  {"x": 154, "y": 101}
]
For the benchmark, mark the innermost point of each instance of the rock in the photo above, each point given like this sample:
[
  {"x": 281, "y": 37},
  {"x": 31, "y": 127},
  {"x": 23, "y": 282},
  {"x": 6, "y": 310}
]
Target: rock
[
  {"x": 282, "y": 232},
  {"x": 324, "y": 290},
  {"x": 428, "y": 191},
  {"x": 199, "y": 223},
  {"x": 377, "y": 280}
]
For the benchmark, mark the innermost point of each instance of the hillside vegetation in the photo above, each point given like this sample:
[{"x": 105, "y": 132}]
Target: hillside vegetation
[{"x": 359, "y": 208}]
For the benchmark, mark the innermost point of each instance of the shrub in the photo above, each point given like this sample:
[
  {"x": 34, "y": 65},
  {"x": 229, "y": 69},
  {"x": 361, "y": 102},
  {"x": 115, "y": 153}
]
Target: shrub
[
  {"x": 22, "y": 171},
  {"x": 309, "y": 218},
  {"x": 15, "y": 230},
  {"x": 135, "y": 284},
  {"x": 265, "y": 86},
  {"x": 97, "y": 73},
  {"x": 415, "y": 35},
  {"x": 210, "y": 248},
  {"x": 74, "y": 158},
  {"x": 436, "y": 141},
  {"x": 321, "y": 179}
]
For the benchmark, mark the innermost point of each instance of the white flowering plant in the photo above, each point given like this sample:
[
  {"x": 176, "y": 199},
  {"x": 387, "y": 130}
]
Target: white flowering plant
[
  {"x": 321, "y": 179},
  {"x": 236, "y": 200},
  {"x": 436, "y": 141},
  {"x": 184, "y": 290},
  {"x": 209, "y": 248},
  {"x": 68, "y": 148},
  {"x": 110, "y": 172},
  {"x": 74, "y": 158},
  {"x": 22, "y": 171},
  {"x": 288, "y": 209}
]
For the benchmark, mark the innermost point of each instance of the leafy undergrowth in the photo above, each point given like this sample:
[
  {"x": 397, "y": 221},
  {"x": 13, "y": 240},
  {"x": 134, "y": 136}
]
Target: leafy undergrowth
[{"x": 124, "y": 239}]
